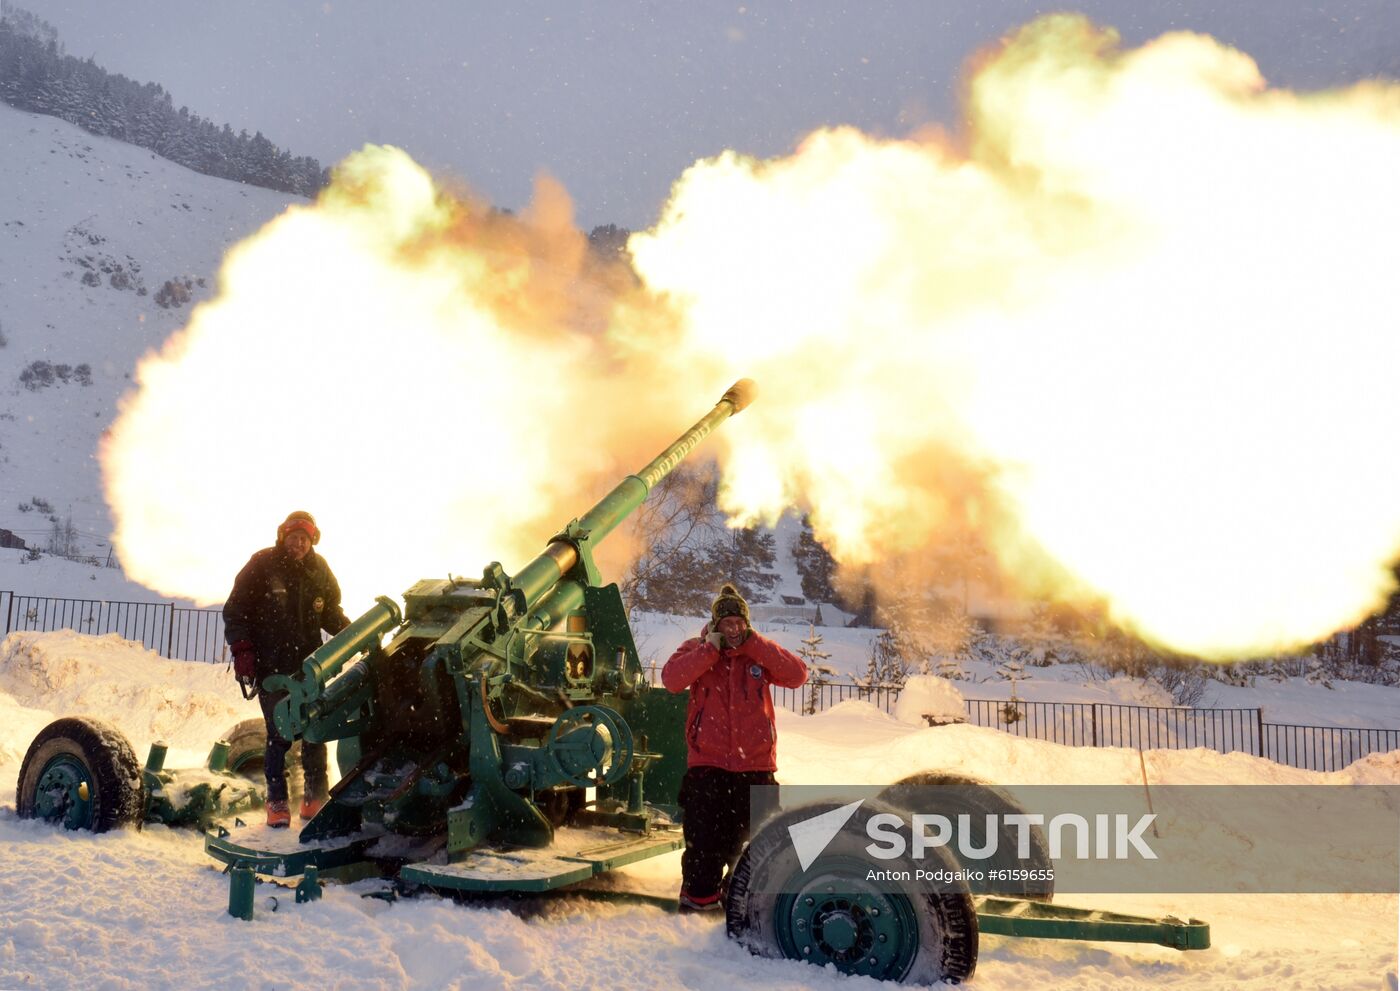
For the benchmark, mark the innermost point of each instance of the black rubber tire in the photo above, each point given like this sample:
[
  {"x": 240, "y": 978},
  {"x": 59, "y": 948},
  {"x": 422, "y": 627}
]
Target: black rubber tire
[
  {"x": 247, "y": 745},
  {"x": 978, "y": 799},
  {"x": 947, "y": 922},
  {"x": 115, "y": 782}
]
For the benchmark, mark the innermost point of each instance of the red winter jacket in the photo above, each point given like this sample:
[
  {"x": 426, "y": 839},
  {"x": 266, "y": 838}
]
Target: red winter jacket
[{"x": 729, "y": 722}]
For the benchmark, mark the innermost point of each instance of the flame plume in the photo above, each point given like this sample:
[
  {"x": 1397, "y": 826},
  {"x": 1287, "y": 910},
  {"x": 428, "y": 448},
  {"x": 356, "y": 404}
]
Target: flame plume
[
  {"x": 1140, "y": 332},
  {"x": 1133, "y": 328},
  {"x": 409, "y": 366}
]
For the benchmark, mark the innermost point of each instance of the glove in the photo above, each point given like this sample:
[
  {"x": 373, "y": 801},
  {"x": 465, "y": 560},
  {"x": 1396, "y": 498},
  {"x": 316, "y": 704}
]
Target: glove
[
  {"x": 714, "y": 638},
  {"x": 245, "y": 662}
]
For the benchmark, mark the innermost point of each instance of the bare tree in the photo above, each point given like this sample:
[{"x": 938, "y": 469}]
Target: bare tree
[
  {"x": 673, "y": 529},
  {"x": 63, "y": 537}
]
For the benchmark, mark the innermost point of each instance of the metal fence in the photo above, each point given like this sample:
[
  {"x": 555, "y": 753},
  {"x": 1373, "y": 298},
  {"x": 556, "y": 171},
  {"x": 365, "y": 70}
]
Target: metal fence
[
  {"x": 1325, "y": 748},
  {"x": 1146, "y": 727},
  {"x": 170, "y": 630},
  {"x": 1141, "y": 727},
  {"x": 807, "y": 700},
  {"x": 198, "y": 635}
]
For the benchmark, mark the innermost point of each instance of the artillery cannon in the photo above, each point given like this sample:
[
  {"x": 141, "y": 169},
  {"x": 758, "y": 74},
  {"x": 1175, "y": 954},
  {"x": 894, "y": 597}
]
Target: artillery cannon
[
  {"x": 505, "y": 739},
  {"x": 501, "y": 710}
]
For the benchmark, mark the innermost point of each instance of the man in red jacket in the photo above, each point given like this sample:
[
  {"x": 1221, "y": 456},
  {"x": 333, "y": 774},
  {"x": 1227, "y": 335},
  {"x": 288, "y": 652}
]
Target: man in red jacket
[{"x": 731, "y": 739}]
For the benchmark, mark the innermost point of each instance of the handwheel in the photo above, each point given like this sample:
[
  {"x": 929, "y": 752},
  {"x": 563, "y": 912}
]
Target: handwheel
[{"x": 590, "y": 745}]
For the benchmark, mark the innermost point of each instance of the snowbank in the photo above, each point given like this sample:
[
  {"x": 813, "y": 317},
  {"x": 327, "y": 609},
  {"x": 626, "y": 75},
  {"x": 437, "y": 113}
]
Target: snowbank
[
  {"x": 927, "y": 695},
  {"x": 63, "y": 673},
  {"x": 146, "y": 909}
]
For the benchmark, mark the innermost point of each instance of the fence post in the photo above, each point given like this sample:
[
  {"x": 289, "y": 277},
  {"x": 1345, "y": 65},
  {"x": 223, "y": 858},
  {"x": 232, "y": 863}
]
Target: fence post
[
  {"x": 1259, "y": 731},
  {"x": 1094, "y": 721},
  {"x": 170, "y": 633}
]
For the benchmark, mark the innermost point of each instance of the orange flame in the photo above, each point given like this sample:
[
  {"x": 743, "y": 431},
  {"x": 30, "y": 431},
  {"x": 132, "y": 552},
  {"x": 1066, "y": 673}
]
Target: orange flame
[
  {"x": 401, "y": 362},
  {"x": 1134, "y": 327},
  {"x": 1150, "y": 303}
]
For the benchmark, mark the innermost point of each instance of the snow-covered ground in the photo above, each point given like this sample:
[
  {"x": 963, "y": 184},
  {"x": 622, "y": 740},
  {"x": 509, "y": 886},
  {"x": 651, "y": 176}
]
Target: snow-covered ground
[{"x": 146, "y": 909}]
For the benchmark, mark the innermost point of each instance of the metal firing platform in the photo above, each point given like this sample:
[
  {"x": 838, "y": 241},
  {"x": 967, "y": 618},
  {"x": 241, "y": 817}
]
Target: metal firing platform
[{"x": 576, "y": 854}]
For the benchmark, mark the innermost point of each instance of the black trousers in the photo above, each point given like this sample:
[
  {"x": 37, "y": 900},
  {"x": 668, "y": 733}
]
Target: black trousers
[
  {"x": 313, "y": 757},
  {"x": 715, "y": 818}
]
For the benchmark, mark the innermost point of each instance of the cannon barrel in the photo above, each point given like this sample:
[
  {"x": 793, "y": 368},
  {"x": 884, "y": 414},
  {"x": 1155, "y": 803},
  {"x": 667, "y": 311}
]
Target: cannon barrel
[
  {"x": 541, "y": 574},
  {"x": 321, "y": 689}
]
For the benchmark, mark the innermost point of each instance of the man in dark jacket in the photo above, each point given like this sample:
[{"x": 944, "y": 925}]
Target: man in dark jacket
[
  {"x": 281, "y": 601},
  {"x": 731, "y": 738}
]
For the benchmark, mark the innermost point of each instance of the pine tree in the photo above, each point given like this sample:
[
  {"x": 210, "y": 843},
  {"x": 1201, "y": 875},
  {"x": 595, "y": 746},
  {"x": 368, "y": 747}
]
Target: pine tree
[
  {"x": 815, "y": 566},
  {"x": 950, "y": 666},
  {"x": 911, "y": 615},
  {"x": 888, "y": 661},
  {"x": 1013, "y": 671},
  {"x": 870, "y": 680},
  {"x": 37, "y": 76},
  {"x": 746, "y": 558},
  {"x": 818, "y": 673},
  {"x": 608, "y": 240}
]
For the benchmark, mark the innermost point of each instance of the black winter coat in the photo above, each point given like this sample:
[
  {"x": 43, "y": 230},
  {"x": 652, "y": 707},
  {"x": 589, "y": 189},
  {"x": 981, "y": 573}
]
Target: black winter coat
[{"x": 281, "y": 606}]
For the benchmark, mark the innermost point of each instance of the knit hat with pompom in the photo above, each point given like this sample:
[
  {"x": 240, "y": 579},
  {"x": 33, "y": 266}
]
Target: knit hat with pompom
[{"x": 728, "y": 603}]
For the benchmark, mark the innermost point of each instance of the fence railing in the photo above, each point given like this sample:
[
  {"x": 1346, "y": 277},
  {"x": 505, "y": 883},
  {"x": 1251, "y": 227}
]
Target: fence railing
[
  {"x": 805, "y": 701},
  {"x": 1103, "y": 724},
  {"x": 1147, "y": 727},
  {"x": 1325, "y": 748},
  {"x": 1142, "y": 727},
  {"x": 169, "y": 630},
  {"x": 198, "y": 635}
]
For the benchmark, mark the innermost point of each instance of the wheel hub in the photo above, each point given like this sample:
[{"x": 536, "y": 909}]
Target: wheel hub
[
  {"x": 64, "y": 794},
  {"x": 838, "y": 930},
  {"x": 836, "y": 916}
]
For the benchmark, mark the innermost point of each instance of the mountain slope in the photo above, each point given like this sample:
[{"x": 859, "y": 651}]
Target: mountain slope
[{"x": 104, "y": 248}]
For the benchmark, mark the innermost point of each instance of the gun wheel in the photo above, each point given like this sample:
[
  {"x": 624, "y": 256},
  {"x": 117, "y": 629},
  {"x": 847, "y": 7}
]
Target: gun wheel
[
  {"x": 832, "y": 912},
  {"x": 247, "y": 753},
  {"x": 977, "y": 799},
  {"x": 80, "y": 773}
]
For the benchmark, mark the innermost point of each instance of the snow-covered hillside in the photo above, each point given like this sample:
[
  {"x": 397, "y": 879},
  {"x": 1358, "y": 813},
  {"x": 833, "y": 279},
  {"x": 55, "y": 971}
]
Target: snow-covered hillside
[
  {"x": 147, "y": 910},
  {"x": 64, "y": 579},
  {"x": 91, "y": 232}
]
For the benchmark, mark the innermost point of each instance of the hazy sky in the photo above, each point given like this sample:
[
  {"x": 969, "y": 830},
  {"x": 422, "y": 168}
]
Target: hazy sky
[{"x": 616, "y": 99}]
